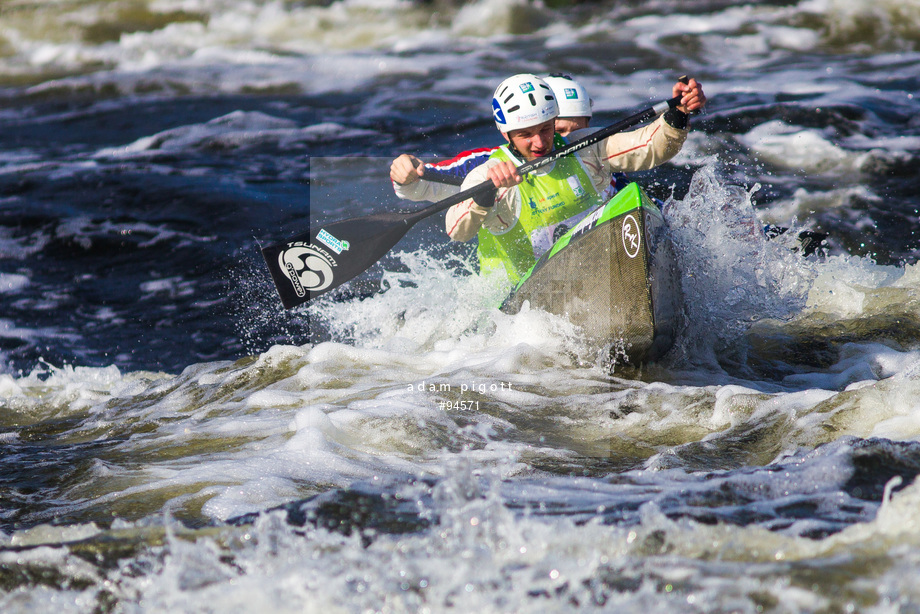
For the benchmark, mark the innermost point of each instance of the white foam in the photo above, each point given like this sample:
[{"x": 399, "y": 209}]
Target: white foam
[
  {"x": 10, "y": 329},
  {"x": 19, "y": 248},
  {"x": 843, "y": 283},
  {"x": 12, "y": 282},
  {"x": 251, "y": 46},
  {"x": 868, "y": 24},
  {"x": 173, "y": 287},
  {"x": 805, "y": 203},
  {"x": 802, "y": 149}
]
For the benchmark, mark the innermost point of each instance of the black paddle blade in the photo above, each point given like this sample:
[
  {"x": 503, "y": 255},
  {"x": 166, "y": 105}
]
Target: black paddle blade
[{"x": 328, "y": 255}]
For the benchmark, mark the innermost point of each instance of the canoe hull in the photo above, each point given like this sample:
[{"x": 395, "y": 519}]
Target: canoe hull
[{"x": 615, "y": 276}]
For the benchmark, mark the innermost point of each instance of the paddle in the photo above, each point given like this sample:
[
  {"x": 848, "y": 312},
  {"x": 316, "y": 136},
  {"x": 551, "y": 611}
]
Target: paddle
[{"x": 321, "y": 259}]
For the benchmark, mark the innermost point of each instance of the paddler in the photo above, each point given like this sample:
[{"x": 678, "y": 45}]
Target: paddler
[
  {"x": 575, "y": 111},
  {"x": 407, "y": 172},
  {"x": 575, "y": 105},
  {"x": 516, "y": 222}
]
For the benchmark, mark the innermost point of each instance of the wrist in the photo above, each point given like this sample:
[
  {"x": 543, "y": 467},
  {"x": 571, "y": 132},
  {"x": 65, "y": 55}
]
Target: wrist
[{"x": 677, "y": 119}]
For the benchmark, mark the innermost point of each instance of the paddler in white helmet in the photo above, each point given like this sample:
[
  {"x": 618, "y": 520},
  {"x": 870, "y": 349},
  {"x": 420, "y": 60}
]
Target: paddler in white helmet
[
  {"x": 575, "y": 111},
  {"x": 575, "y": 106},
  {"x": 515, "y": 222},
  {"x": 407, "y": 172}
]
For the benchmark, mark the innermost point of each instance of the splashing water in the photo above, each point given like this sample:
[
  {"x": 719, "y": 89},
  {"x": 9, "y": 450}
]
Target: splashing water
[{"x": 733, "y": 275}]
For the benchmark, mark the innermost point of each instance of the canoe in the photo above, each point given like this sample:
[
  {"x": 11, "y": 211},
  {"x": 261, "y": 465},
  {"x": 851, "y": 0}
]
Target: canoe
[{"x": 614, "y": 275}]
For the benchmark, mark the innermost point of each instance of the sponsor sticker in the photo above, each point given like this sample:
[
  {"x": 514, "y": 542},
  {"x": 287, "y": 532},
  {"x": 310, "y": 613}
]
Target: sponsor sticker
[
  {"x": 523, "y": 117},
  {"x": 309, "y": 268},
  {"x": 588, "y": 223},
  {"x": 331, "y": 242},
  {"x": 527, "y": 86},
  {"x": 631, "y": 237},
  {"x": 575, "y": 184},
  {"x": 571, "y": 93}
]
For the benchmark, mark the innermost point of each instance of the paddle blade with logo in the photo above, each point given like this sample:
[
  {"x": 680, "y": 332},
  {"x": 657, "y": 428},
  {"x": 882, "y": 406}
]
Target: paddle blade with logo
[{"x": 328, "y": 255}]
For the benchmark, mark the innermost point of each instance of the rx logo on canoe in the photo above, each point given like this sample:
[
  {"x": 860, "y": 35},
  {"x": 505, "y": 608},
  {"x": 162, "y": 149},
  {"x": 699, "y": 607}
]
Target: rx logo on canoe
[
  {"x": 307, "y": 267},
  {"x": 631, "y": 237}
]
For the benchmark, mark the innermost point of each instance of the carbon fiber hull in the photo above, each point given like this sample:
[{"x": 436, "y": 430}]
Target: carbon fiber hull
[{"x": 615, "y": 276}]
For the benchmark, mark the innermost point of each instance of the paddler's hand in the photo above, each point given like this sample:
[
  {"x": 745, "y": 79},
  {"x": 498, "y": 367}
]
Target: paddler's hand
[
  {"x": 504, "y": 175},
  {"x": 692, "y": 96},
  {"x": 406, "y": 169}
]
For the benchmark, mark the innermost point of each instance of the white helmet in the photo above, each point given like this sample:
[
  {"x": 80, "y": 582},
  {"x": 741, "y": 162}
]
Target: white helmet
[
  {"x": 572, "y": 98},
  {"x": 523, "y": 101}
]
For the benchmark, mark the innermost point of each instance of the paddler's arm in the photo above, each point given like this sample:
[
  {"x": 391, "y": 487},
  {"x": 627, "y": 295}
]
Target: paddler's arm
[
  {"x": 406, "y": 169},
  {"x": 645, "y": 148},
  {"x": 407, "y": 174},
  {"x": 491, "y": 208},
  {"x": 415, "y": 179},
  {"x": 660, "y": 141}
]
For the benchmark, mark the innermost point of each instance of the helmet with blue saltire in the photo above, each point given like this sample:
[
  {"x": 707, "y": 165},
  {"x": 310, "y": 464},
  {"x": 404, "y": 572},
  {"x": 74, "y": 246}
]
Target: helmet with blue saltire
[
  {"x": 571, "y": 97},
  {"x": 523, "y": 101}
]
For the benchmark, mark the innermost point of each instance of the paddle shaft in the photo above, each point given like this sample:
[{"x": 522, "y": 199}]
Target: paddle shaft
[{"x": 550, "y": 158}]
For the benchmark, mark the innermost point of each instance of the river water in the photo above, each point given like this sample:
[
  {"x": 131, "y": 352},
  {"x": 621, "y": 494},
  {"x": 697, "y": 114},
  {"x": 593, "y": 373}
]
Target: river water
[{"x": 172, "y": 440}]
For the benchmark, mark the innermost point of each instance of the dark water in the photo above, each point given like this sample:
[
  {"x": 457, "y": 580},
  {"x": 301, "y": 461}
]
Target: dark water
[{"x": 156, "y": 400}]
